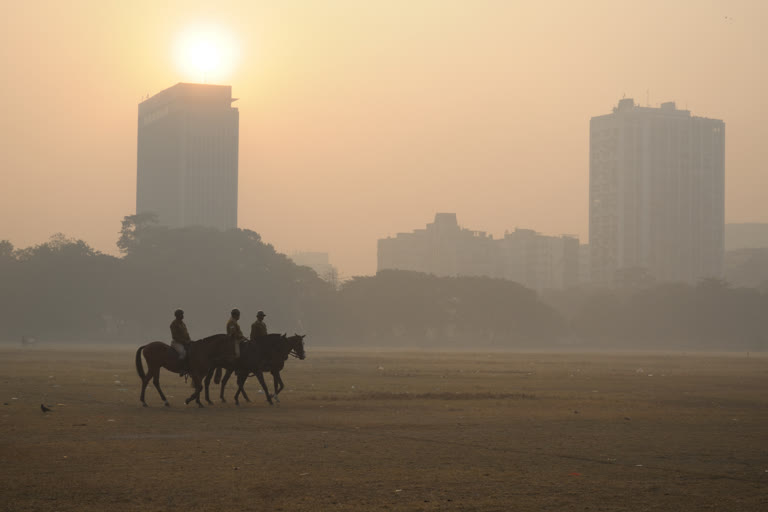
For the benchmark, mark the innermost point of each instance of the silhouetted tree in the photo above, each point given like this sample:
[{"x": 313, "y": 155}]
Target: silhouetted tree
[
  {"x": 63, "y": 289},
  {"x": 135, "y": 229},
  {"x": 398, "y": 307}
]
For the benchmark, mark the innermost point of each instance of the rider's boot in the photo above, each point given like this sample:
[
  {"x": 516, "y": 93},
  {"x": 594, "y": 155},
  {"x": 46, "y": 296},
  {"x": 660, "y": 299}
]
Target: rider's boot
[{"x": 183, "y": 366}]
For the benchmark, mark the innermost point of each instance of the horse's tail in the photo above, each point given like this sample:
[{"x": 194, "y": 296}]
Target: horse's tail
[
  {"x": 217, "y": 375},
  {"x": 139, "y": 366}
]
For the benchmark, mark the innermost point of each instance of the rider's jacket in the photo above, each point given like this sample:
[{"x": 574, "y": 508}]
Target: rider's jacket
[
  {"x": 258, "y": 329},
  {"x": 179, "y": 332},
  {"x": 233, "y": 329}
]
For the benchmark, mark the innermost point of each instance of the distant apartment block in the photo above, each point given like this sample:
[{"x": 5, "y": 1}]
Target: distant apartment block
[
  {"x": 656, "y": 193},
  {"x": 747, "y": 235},
  {"x": 187, "y": 156},
  {"x": 585, "y": 270},
  {"x": 317, "y": 261},
  {"x": 444, "y": 248},
  {"x": 538, "y": 261}
]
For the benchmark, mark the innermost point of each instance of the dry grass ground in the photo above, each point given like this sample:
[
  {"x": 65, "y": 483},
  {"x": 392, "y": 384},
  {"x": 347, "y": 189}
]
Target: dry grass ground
[{"x": 392, "y": 431}]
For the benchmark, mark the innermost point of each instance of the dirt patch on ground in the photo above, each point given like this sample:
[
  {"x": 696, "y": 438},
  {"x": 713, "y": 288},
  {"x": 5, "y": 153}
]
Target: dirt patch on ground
[{"x": 392, "y": 431}]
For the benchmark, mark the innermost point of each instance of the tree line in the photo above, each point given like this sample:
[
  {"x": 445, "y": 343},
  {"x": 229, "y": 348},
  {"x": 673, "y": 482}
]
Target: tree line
[{"x": 65, "y": 291}]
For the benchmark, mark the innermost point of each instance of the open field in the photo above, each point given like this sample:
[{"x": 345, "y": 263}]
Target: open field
[{"x": 392, "y": 431}]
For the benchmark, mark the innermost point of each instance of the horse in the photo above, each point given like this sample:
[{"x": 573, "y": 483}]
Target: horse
[
  {"x": 203, "y": 354},
  {"x": 268, "y": 354},
  {"x": 230, "y": 368},
  {"x": 267, "y": 341}
]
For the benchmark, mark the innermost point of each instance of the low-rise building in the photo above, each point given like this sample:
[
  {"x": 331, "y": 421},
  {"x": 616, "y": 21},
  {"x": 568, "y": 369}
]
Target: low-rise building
[
  {"x": 444, "y": 248},
  {"x": 317, "y": 261}
]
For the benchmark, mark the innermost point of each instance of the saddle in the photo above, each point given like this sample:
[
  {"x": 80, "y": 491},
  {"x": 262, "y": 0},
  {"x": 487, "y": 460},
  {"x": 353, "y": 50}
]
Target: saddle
[{"x": 184, "y": 370}]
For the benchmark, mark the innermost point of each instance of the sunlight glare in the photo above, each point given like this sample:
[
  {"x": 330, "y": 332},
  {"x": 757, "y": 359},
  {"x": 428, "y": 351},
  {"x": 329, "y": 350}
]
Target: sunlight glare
[{"x": 205, "y": 54}]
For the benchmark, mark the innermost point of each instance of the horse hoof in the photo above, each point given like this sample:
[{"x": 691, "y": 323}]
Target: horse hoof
[
  {"x": 167, "y": 404},
  {"x": 209, "y": 402},
  {"x": 223, "y": 401},
  {"x": 144, "y": 404}
]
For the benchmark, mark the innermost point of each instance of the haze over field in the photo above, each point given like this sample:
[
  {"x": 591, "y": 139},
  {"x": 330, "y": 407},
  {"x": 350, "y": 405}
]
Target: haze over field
[{"x": 362, "y": 119}]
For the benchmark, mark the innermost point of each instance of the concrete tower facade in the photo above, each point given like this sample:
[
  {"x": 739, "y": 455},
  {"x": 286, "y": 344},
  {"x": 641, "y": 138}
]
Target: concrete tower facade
[
  {"x": 656, "y": 194},
  {"x": 187, "y": 156}
]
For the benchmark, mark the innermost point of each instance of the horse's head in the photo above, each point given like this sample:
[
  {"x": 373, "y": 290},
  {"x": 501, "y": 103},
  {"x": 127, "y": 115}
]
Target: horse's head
[{"x": 296, "y": 343}]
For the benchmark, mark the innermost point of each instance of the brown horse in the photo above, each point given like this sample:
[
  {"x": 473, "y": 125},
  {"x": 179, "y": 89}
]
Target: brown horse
[
  {"x": 253, "y": 350},
  {"x": 215, "y": 374},
  {"x": 267, "y": 355},
  {"x": 204, "y": 354}
]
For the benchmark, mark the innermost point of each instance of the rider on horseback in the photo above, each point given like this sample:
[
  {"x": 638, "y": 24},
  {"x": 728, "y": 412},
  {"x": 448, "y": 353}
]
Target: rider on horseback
[
  {"x": 181, "y": 339},
  {"x": 234, "y": 332},
  {"x": 258, "y": 328}
]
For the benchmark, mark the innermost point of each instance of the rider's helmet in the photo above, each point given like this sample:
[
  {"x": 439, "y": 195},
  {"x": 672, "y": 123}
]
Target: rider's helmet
[
  {"x": 260, "y": 314},
  {"x": 178, "y": 313},
  {"x": 235, "y": 312}
]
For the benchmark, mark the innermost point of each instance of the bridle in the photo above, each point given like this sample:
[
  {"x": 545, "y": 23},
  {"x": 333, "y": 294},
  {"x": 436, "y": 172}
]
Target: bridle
[{"x": 295, "y": 353}]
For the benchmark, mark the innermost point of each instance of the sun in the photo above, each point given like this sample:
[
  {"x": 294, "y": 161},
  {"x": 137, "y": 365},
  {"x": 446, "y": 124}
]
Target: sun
[{"x": 205, "y": 54}]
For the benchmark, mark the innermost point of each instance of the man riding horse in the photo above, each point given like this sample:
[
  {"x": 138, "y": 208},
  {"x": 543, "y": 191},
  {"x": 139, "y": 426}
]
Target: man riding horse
[
  {"x": 258, "y": 328},
  {"x": 180, "y": 340},
  {"x": 258, "y": 336},
  {"x": 267, "y": 356},
  {"x": 234, "y": 332}
]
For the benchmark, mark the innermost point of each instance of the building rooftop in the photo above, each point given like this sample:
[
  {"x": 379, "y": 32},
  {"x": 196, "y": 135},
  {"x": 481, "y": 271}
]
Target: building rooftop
[{"x": 214, "y": 95}]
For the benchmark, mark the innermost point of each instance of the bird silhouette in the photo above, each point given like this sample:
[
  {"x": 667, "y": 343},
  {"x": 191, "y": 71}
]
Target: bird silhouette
[{"x": 44, "y": 408}]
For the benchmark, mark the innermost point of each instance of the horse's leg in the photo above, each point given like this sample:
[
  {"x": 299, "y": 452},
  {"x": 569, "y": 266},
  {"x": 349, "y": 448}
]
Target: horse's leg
[
  {"x": 145, "y": 378},
  {"x": 278, "y": 383},
  {"x": 198, "y": 389},
  {"x": 240, "y": 382},
  {"x": 156, "y": 383},
  {"x": 260, "y": 376},
  {"x": 242, "y": 389},
  {"x": 195, "y": 394},
  {"x": 224, "y": 383},
  {"x": 144, "y": 382},
  {"x": 207, "y": 384}
]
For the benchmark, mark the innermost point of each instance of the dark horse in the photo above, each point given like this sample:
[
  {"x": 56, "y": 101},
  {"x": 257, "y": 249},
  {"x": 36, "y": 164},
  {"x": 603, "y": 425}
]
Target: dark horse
[
  {"x": 258, "y": 350},
  {"x": 216, "y": 350},
  {"x": 268, "y": 354}
]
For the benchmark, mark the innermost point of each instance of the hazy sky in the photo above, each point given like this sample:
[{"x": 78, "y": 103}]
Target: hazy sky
[{"x": 360, "y": 119}]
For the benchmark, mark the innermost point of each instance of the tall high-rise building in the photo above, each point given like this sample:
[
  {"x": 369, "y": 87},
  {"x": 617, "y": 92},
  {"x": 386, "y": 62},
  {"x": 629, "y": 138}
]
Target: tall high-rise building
[
  {"x": 187, "y": 156},
  {"x": 656, "y": 194}
]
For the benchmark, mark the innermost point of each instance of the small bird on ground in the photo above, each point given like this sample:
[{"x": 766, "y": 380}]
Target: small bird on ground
[{"x": 44, "y": 408}]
